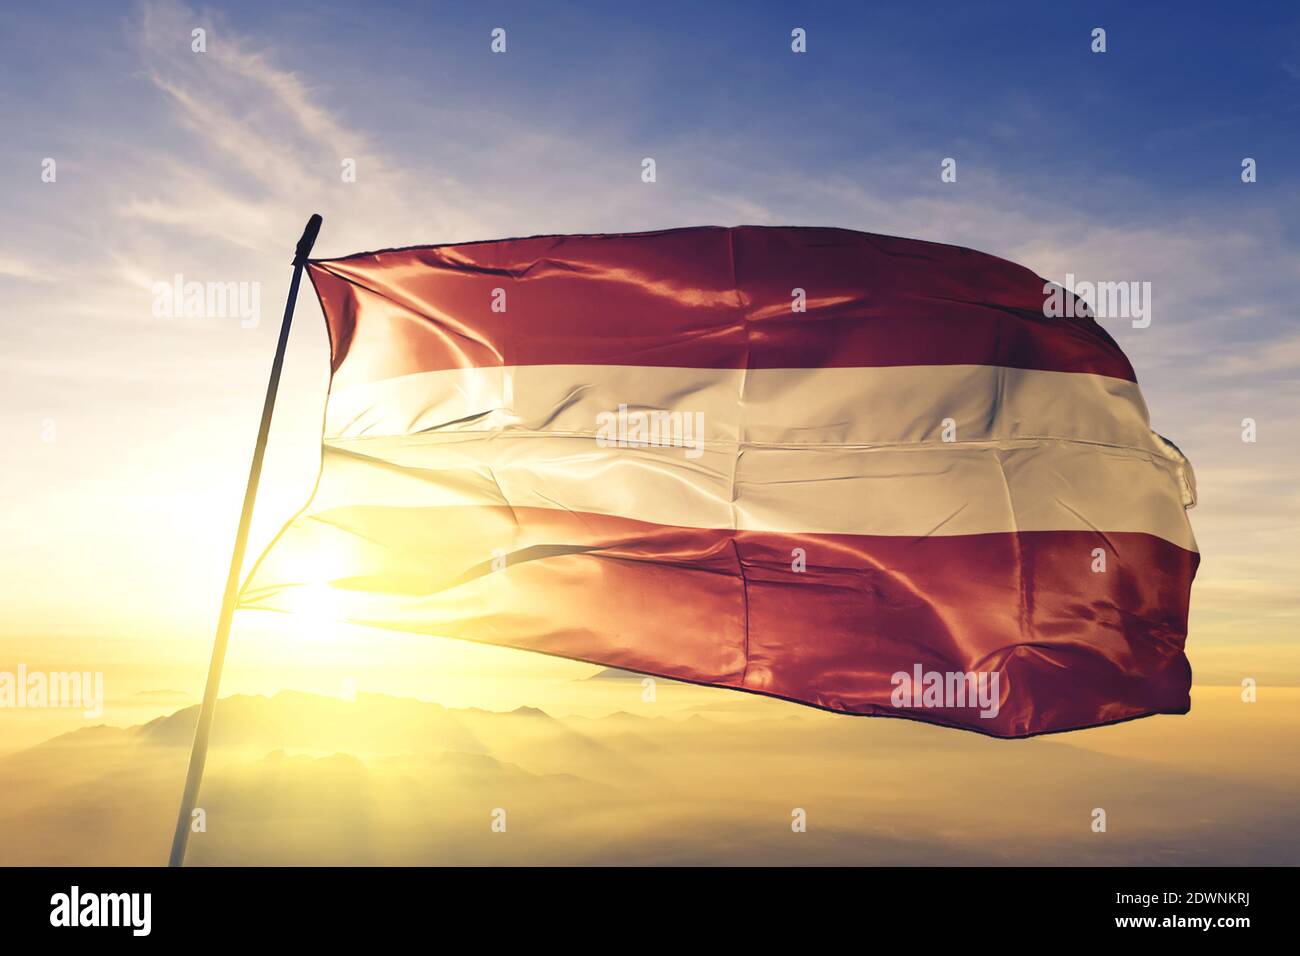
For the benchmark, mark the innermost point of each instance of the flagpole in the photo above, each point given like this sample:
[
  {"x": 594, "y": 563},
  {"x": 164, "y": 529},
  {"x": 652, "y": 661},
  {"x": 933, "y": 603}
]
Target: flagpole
[{"x": 199, "y": 751}]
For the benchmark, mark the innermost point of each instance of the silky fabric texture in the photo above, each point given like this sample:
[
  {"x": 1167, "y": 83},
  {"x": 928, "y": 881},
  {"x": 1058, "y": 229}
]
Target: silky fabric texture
[{"x": 878, "y": 467}]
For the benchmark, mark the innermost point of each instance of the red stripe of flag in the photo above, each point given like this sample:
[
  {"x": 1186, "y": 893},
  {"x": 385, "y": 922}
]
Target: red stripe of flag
[{"x": 698, "y": 298}]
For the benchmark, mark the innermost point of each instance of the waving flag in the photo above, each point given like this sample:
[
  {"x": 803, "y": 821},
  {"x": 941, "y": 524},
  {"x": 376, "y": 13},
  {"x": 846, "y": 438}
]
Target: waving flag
[{"x": 858, "y": 472}]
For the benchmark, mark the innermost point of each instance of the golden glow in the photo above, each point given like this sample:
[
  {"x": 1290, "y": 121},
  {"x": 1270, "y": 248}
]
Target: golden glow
[{"x": 314, "y": 612}]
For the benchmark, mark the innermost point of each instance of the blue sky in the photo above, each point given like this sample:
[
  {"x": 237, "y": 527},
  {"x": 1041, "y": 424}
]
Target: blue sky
[
  {"x": 1182, "y": 90},
  {"x": 1118, "y": 166},
  {"x": 1165, "y": 115}
]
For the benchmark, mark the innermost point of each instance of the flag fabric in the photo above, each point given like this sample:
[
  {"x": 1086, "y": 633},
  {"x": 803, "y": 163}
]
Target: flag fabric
[{"x": 864, "y": 473}]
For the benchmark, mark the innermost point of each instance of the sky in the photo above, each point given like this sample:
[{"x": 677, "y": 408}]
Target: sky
[{"x": 125, "y": 436}]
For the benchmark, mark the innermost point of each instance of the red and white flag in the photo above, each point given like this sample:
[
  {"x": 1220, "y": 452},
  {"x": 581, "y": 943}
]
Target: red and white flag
[{"x": 853, "y": 471}]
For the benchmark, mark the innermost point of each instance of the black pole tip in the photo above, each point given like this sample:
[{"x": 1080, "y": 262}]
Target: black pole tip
[{"x": 308, "y": 239}]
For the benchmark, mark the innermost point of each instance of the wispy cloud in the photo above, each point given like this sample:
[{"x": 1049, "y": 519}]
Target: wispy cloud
[{"x": 16, "y": 268}]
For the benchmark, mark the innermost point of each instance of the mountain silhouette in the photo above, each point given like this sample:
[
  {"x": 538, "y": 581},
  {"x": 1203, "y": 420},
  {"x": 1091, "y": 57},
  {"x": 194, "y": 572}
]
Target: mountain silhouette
[{"x": 299, "y": 778}]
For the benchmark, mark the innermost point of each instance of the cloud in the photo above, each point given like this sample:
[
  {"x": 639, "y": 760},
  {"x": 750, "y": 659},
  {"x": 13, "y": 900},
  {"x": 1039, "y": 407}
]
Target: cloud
[{"x": 15, "y": 268}]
